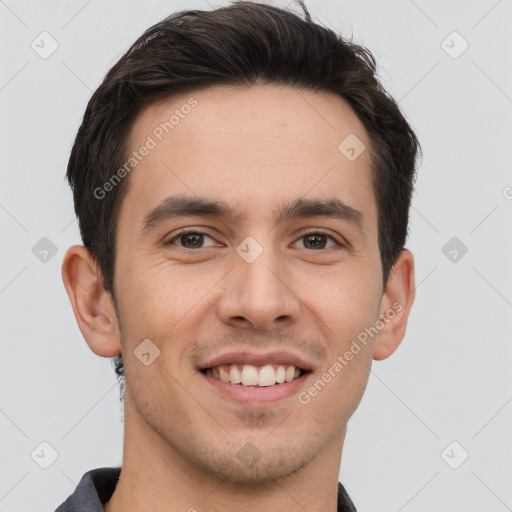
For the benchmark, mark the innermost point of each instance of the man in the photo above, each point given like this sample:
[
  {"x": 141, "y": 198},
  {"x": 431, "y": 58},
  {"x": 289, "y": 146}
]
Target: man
[{"x": 242, "y": 183}]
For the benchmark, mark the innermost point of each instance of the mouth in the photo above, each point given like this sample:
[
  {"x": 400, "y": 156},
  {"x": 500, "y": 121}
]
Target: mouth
[
  {"x": 252, "y": 385},
  {"x": 255, "y": 378}
]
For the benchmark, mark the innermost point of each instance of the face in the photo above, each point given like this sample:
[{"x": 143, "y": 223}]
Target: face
[{"x": 256, "y": 283}]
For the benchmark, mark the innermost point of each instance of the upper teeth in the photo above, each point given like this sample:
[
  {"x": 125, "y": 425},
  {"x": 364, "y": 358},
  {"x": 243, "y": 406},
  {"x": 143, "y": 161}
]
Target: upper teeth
[{"x": 249, "y": 375}]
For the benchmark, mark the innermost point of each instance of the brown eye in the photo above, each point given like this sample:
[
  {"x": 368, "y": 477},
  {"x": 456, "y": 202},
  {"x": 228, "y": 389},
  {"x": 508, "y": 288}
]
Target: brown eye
[
  {"x": 318, "y": 240},
  {"x": 189, "y": 239}
]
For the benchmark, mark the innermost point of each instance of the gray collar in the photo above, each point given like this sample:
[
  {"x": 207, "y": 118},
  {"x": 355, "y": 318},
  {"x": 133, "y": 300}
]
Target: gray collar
[{"x": 97, "y": 486}]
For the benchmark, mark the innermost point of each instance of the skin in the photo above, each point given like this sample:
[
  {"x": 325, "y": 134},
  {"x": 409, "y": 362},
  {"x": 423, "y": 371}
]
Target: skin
[{"x": 252, "y": 148}]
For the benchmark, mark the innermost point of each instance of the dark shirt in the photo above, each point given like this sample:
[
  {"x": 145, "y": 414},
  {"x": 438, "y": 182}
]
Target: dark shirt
[{"x": 97, "y": 486}]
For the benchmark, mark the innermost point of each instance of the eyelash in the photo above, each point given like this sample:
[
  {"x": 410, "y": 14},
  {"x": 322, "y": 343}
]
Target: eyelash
[{"x": 303, "y": 235}]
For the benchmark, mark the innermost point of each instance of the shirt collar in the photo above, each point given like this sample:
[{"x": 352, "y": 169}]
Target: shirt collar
[{"x": 97, "y": 486}]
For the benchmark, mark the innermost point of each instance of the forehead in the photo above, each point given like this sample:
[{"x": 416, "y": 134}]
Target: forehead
[{"x": 251, "y": 148}]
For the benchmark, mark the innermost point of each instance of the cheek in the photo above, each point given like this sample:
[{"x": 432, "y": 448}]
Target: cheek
[
  {"x": 349, "y": 308},
  {"x": 346, "y": 302},
  {"x": 154, "y": 300},
  {"x": 339, "y": 385},
  {"x": 338, "y": 390}
]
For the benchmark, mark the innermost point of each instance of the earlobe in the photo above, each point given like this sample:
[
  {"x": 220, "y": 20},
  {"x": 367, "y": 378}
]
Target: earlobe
[
  {"x": 395, "y": 306},
  {"x": 92, "y": 305}
]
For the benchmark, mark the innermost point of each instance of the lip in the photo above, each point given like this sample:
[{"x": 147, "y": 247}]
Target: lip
[
  {"x": 256, "y": 395},
  {"x": 246, "y": 357}
]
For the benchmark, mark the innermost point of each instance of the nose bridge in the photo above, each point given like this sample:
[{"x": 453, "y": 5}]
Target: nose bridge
[
  {"x": 262, "y": 274},
  {"x": 260, "y": 265}
]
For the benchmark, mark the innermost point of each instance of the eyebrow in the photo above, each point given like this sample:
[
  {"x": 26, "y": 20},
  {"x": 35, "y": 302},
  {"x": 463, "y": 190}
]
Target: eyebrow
[{"x": 178, "y": 206}]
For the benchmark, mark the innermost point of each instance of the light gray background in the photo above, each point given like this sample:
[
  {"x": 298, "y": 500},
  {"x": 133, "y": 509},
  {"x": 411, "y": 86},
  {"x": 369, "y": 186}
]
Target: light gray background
[{"x": 450, "y": 378}]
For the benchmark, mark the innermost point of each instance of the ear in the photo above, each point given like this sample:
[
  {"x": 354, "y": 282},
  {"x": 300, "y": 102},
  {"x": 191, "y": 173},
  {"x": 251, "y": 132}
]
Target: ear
[
  {"x": 93, "y": 306},
  {"x": 395, "y": 306}
]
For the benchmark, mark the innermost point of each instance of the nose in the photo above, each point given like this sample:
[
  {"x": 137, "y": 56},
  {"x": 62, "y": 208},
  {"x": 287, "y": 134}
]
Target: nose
[{"x": 259, "y": 295}]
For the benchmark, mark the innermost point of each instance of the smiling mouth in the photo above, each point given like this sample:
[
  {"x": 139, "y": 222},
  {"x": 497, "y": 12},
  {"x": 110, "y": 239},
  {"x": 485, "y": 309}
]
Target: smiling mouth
[{"x": 256, "y": 376}]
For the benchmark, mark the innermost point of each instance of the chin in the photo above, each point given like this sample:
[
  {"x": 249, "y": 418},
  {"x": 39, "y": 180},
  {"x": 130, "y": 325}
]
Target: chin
[{"x": 248, "y": 465}]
